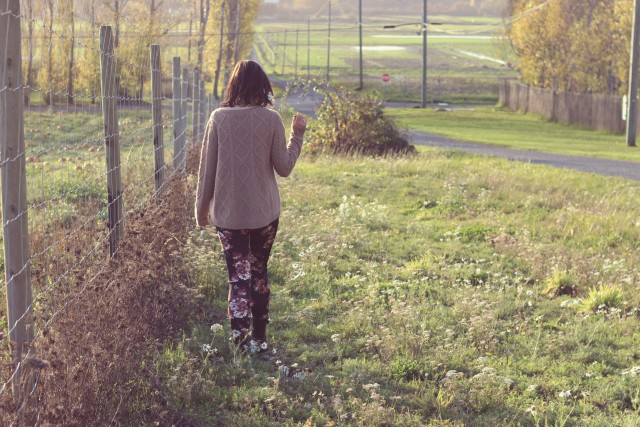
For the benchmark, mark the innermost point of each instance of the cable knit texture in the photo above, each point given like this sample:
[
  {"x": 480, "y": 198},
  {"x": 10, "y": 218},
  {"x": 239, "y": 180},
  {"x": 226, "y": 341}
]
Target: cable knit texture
[{"x": 237, "y": 186}]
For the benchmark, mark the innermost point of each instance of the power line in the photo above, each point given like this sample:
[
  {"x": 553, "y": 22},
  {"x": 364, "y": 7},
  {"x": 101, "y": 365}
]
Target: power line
[{"x": 527, "y": 12}]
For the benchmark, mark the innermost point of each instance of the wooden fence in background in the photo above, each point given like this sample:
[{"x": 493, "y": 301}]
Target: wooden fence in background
[{"x": 597, "y": 112}]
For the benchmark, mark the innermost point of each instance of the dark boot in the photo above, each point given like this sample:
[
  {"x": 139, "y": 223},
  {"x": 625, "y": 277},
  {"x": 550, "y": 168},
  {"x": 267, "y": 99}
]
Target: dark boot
[{"x": 259, "y": 331}]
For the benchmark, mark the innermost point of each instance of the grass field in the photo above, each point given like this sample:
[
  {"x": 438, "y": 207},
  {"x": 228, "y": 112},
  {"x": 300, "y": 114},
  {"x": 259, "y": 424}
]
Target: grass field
[
  {"x": 463, "y": 56},
  {"x": 506, "y": 128},
  {"x": 440, "y": 290}
]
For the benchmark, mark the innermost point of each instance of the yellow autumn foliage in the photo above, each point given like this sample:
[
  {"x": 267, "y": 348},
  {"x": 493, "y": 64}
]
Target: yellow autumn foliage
[{"x": 572, "y": 45}]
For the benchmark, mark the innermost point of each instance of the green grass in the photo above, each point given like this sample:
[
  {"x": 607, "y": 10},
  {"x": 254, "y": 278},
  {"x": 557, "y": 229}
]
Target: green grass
[
  {"x": 506, "y": 128},
  {"x": 454, "y": 74},
  {"x": 409, "y": 292},
  {"x": 66, "y": 156}
]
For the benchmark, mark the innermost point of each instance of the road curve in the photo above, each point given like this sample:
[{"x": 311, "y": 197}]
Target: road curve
[{"x": 606, "y": 167}]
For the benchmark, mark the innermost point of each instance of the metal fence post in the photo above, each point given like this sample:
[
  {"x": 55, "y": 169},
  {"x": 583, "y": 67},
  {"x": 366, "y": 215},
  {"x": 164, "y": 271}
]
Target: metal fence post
[
  {"x": 178, "y": 134},
  {"x": 14, "y": 194},
  {"x": 158, "y": 135},
  {"x": 196, "y": 105},
  {"x": 203, "y": 110},
  {"x": 111, "y": 137},
  {"x": 185, "y": 104}
]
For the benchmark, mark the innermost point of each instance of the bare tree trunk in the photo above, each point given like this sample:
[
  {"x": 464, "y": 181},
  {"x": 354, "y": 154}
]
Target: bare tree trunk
[
  {"x": 72, "y": 43},
  {"x": 30, "y": 26},
  {"x": 92, "y": 14},
  {"x": 236, "y": 52},
  {"x": 219, "y": 61},
  {"x": 49, "y": 99},
  {"x": 190, "y": 35},
  {"x": 151, "y": 35},
  {"x": 205, "y": 8},
  {"x": 116, "y": 21},
  {"x": 233, "y": 23}
]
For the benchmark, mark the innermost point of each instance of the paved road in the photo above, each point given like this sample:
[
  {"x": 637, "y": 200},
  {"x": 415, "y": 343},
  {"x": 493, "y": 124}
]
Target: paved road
[
  {"x": 628, "y": 170},
  {"x": 606, "y": 167}
]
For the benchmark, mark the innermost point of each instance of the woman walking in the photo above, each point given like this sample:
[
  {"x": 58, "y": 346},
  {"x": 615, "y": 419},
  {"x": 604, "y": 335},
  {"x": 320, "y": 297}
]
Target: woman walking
[{"x": 244, "y": 143}]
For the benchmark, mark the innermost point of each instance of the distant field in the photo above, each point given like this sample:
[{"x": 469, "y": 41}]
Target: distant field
[{"x": 465, "y": 57}]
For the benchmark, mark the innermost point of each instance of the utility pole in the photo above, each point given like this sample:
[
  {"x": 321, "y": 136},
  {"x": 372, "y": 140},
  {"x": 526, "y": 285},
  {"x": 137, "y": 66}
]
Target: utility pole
[
  {"x": 424, "y": 55},
  {"x": 295, "y": 69},
  {"x": 284, "y": 51},
  {"x": 360, "y": 30},
  {"x": 329, "y": 42},
  {"x": 308, "y": 48},
  {"x": 632, "y": 105}
]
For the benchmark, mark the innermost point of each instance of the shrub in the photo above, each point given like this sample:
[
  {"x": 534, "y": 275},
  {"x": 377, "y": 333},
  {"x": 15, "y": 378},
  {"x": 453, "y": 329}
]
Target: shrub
[
  {"x": 350, "y": 123},
  {"x": 405, "y": 369},
  {"x": 560, "y": 283},
  {"x": 603, "y": 299}
]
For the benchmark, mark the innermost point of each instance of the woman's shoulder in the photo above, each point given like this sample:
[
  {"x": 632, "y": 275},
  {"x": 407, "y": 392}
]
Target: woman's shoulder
[{"x": 266, "y": 113}]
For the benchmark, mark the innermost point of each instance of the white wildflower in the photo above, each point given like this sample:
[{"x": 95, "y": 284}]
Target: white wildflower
[
  {"x": 300, "y": 376},
  {"x": 284, "y": 370},
  {"x": 635, "y": 371}
]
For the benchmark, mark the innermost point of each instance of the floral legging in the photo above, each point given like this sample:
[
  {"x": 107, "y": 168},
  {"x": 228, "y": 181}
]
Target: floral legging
[{"x": 247, "y": 254}]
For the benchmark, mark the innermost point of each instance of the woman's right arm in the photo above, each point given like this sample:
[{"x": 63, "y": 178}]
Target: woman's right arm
[{"x": 206, "y": 173}]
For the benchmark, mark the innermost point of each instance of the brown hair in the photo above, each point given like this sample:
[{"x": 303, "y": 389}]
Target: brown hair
[{"x": 248, "y": 85}]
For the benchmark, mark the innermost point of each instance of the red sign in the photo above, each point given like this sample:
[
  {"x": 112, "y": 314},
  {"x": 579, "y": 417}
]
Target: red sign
[{"x": 386, "y": 77}]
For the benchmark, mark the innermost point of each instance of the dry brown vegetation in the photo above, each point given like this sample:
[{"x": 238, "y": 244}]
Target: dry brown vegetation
[{"x": 99, "y": 351}]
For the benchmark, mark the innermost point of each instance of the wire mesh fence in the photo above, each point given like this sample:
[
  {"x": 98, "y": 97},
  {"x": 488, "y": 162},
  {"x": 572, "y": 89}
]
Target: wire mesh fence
[
  {"x": 82, "y": 147},
  {"x": 464, "y": 59}
]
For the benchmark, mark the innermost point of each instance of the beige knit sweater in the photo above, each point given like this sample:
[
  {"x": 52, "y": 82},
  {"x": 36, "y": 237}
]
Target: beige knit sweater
[{"x": 242, "y": 147}]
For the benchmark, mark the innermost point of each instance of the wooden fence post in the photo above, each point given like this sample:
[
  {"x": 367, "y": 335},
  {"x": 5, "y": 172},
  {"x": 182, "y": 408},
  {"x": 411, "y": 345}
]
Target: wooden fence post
[
  {"x": 178, "y": 134},
  {"x": 196, "y": 106},
  {"x": 158, "y": 138},
  {"x": 185, "y": 103},
  {"x": 111, "y": 138},
  {"x": 14, "y": 195}
]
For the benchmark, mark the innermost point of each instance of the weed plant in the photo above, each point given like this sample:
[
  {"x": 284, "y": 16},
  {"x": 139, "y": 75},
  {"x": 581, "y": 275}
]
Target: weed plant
[
  {"x": 413, "y": 292},
  {"x": 349, "y": 123}
]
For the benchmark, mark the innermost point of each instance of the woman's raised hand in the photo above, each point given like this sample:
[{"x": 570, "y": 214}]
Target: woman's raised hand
[{"x": 299, "y": 124}]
